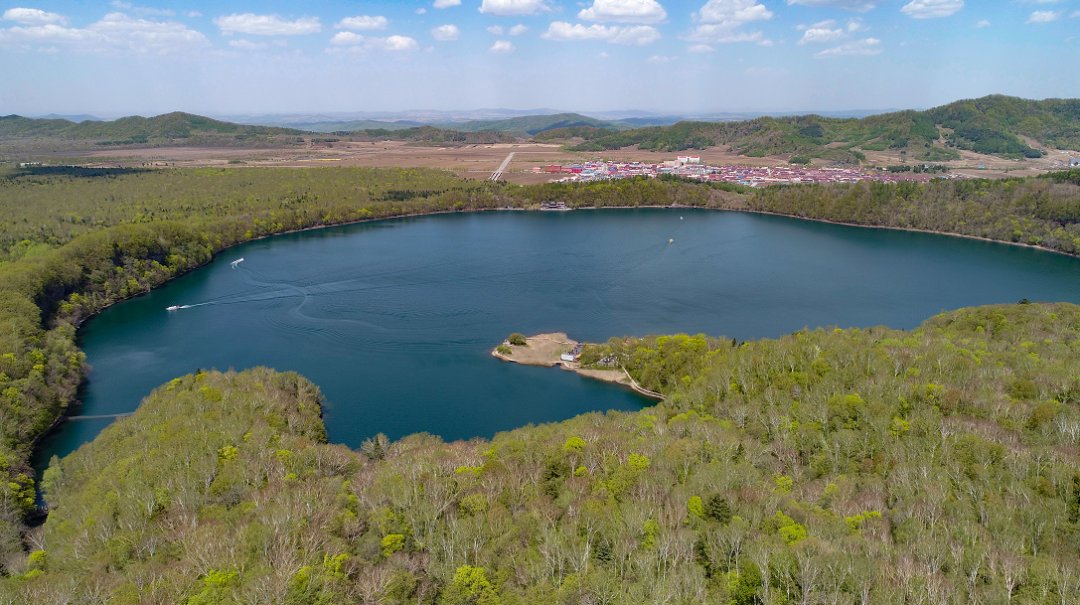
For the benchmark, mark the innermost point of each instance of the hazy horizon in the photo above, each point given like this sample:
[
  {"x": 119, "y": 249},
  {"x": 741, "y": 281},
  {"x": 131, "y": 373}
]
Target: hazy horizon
[
  {"x": 239, "y": 57},
  {"x": 456, "y": 115}
]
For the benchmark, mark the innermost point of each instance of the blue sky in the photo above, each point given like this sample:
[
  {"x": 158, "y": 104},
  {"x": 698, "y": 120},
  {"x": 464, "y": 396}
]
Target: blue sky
[{"x": 234, "y": 57}]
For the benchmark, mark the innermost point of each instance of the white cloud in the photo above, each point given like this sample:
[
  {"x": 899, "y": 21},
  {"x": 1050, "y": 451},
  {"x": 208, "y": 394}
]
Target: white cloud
[
  {"x": 33, "y": 16},
  {"x": 701, "y": 48},
  {"x": 421, "y": 11},
  {"x": 518, "y": 29},
  {"x": 853, "y": 5},
  {"x": 656, "y": 59},
  {"x": 857, "y": 48},
  {"x": 821, "y": 32},
  {"x": 513, "y": 7},
  {"x": 636, "y": 35},
  {"x": 733, "y": 13},
  {"x": 396, "y": 43},
  {"x": 829, "y": 30},
  {"x": 446, "y": 33},
  {"x": 446, "y": 3},
  {"x": 363, "y": 23},
  {"x": 354, "y": 42},
  {"x": 931, "y": 9},
  {"x": 982, "y": 23},
  {"x": 721, "y": 20},
  {"x": 624, "y": 11},
  {"x": 502, "y": 47},
  {"x": 344, "y": 38},
  {"x": 115, "y": 32},
  {"x": 50, "y": 33},
  {"x": 267, "y": 25},
  {"x": 1044, "y": 16},
  {"x": 495, "y": 30},
  {"x": 1074, "y": 15}
]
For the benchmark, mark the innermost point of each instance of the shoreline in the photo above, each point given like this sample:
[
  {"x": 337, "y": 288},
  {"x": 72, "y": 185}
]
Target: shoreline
[
  {"x": 908, "y": 230},
  {"x": 832, "y": 222},
  {"x": 549, "y": 350},
  {"x": 61, "y": 418}
]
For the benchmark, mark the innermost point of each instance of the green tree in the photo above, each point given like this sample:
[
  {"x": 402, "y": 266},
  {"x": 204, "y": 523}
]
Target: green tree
[
  {"x": 470, "y": 586},
  {"x": 718, "y": 509}
]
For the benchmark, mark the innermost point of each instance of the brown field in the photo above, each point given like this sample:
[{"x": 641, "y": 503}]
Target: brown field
[{"x": 478, "y": 161}]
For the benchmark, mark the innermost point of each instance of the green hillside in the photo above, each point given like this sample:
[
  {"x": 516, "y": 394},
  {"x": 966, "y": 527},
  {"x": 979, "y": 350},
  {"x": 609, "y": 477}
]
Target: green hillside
[
  {"x": 353, "y": 125},
  {"x": 829, "y": 466},
  {"x": 532, "y": 125},
  {"x": 995, "y": 125},
  {"x": 433, "y": 135},
  {"x": 79, "y": 240},
  {"x": 137, "y": 129},
  {"x": 991, "y": 125}
]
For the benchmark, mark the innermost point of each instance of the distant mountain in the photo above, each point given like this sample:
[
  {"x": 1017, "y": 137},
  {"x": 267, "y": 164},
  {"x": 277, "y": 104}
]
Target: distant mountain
[
  {"x": 992, "y": 125},
  {"x": 351, "y": 125},
  {"x": 79, "y": 117},
  {"x": 431, "y": 135},
  {"x": 999, "y": 125},
  {"x": 433, "y": 116},
  {"x": 534, "y": 124},
  {"x": 135, "y": 129},
  {"x": 640, "y": 122}
]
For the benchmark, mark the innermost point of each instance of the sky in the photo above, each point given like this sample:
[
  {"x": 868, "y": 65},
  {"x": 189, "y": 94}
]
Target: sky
[{"x": 230, "y": 57}]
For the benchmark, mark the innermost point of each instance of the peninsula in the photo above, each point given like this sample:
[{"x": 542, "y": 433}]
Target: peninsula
[{"x": 558, "y": 350}]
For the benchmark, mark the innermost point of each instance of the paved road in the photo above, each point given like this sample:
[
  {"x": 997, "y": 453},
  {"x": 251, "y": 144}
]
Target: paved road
[{"x": 502, "y": 168}]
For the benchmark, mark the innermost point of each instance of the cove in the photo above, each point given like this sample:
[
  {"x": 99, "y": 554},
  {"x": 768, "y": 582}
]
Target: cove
[{"x": 394, "y": 319}]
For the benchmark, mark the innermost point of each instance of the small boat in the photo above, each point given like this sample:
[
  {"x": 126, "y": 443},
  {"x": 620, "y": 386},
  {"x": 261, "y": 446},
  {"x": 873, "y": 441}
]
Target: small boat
[
  {"x": 554, "y": 206},
  {"x": 236, "y": 262},
  {"x": 173, "y": 308},
  {"x": 670, "y": 241}
]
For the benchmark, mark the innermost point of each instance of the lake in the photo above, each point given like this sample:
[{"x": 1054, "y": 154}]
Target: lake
[{"x": 394, "y": 320}]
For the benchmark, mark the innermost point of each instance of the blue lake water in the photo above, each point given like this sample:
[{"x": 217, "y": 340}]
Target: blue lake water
[{"x": 394, "y": 320}]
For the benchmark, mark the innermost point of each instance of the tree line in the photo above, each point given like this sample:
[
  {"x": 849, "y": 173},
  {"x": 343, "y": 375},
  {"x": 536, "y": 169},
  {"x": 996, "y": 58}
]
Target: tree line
[
  {"x": 79, "y": 242},
  {"x": 937, "y": 465}
]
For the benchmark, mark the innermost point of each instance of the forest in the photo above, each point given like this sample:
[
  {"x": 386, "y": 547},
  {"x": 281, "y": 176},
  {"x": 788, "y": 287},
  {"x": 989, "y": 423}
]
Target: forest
[
  {"x": 994, "y": 124},
  {"x": 829, "y": 466},
  {"x": 1043, "y": 211},
  {"x": 77, "y": 240},
  {"x": 137, "y": 130},
  {"x": 991, "y": 125}
]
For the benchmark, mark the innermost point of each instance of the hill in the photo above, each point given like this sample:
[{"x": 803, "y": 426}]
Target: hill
[
  {"x": 354, "y": 125},
  {"x": 828, "y": 466},
  {"x": 996, "y": 125},
  {"x": 991, "y": 125},
  {"x": 136, "y": 130},
  {"x": 86, "y": 238},
  {"x": 433, "y": 135},
  {"x": 532, "y": 125}
]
